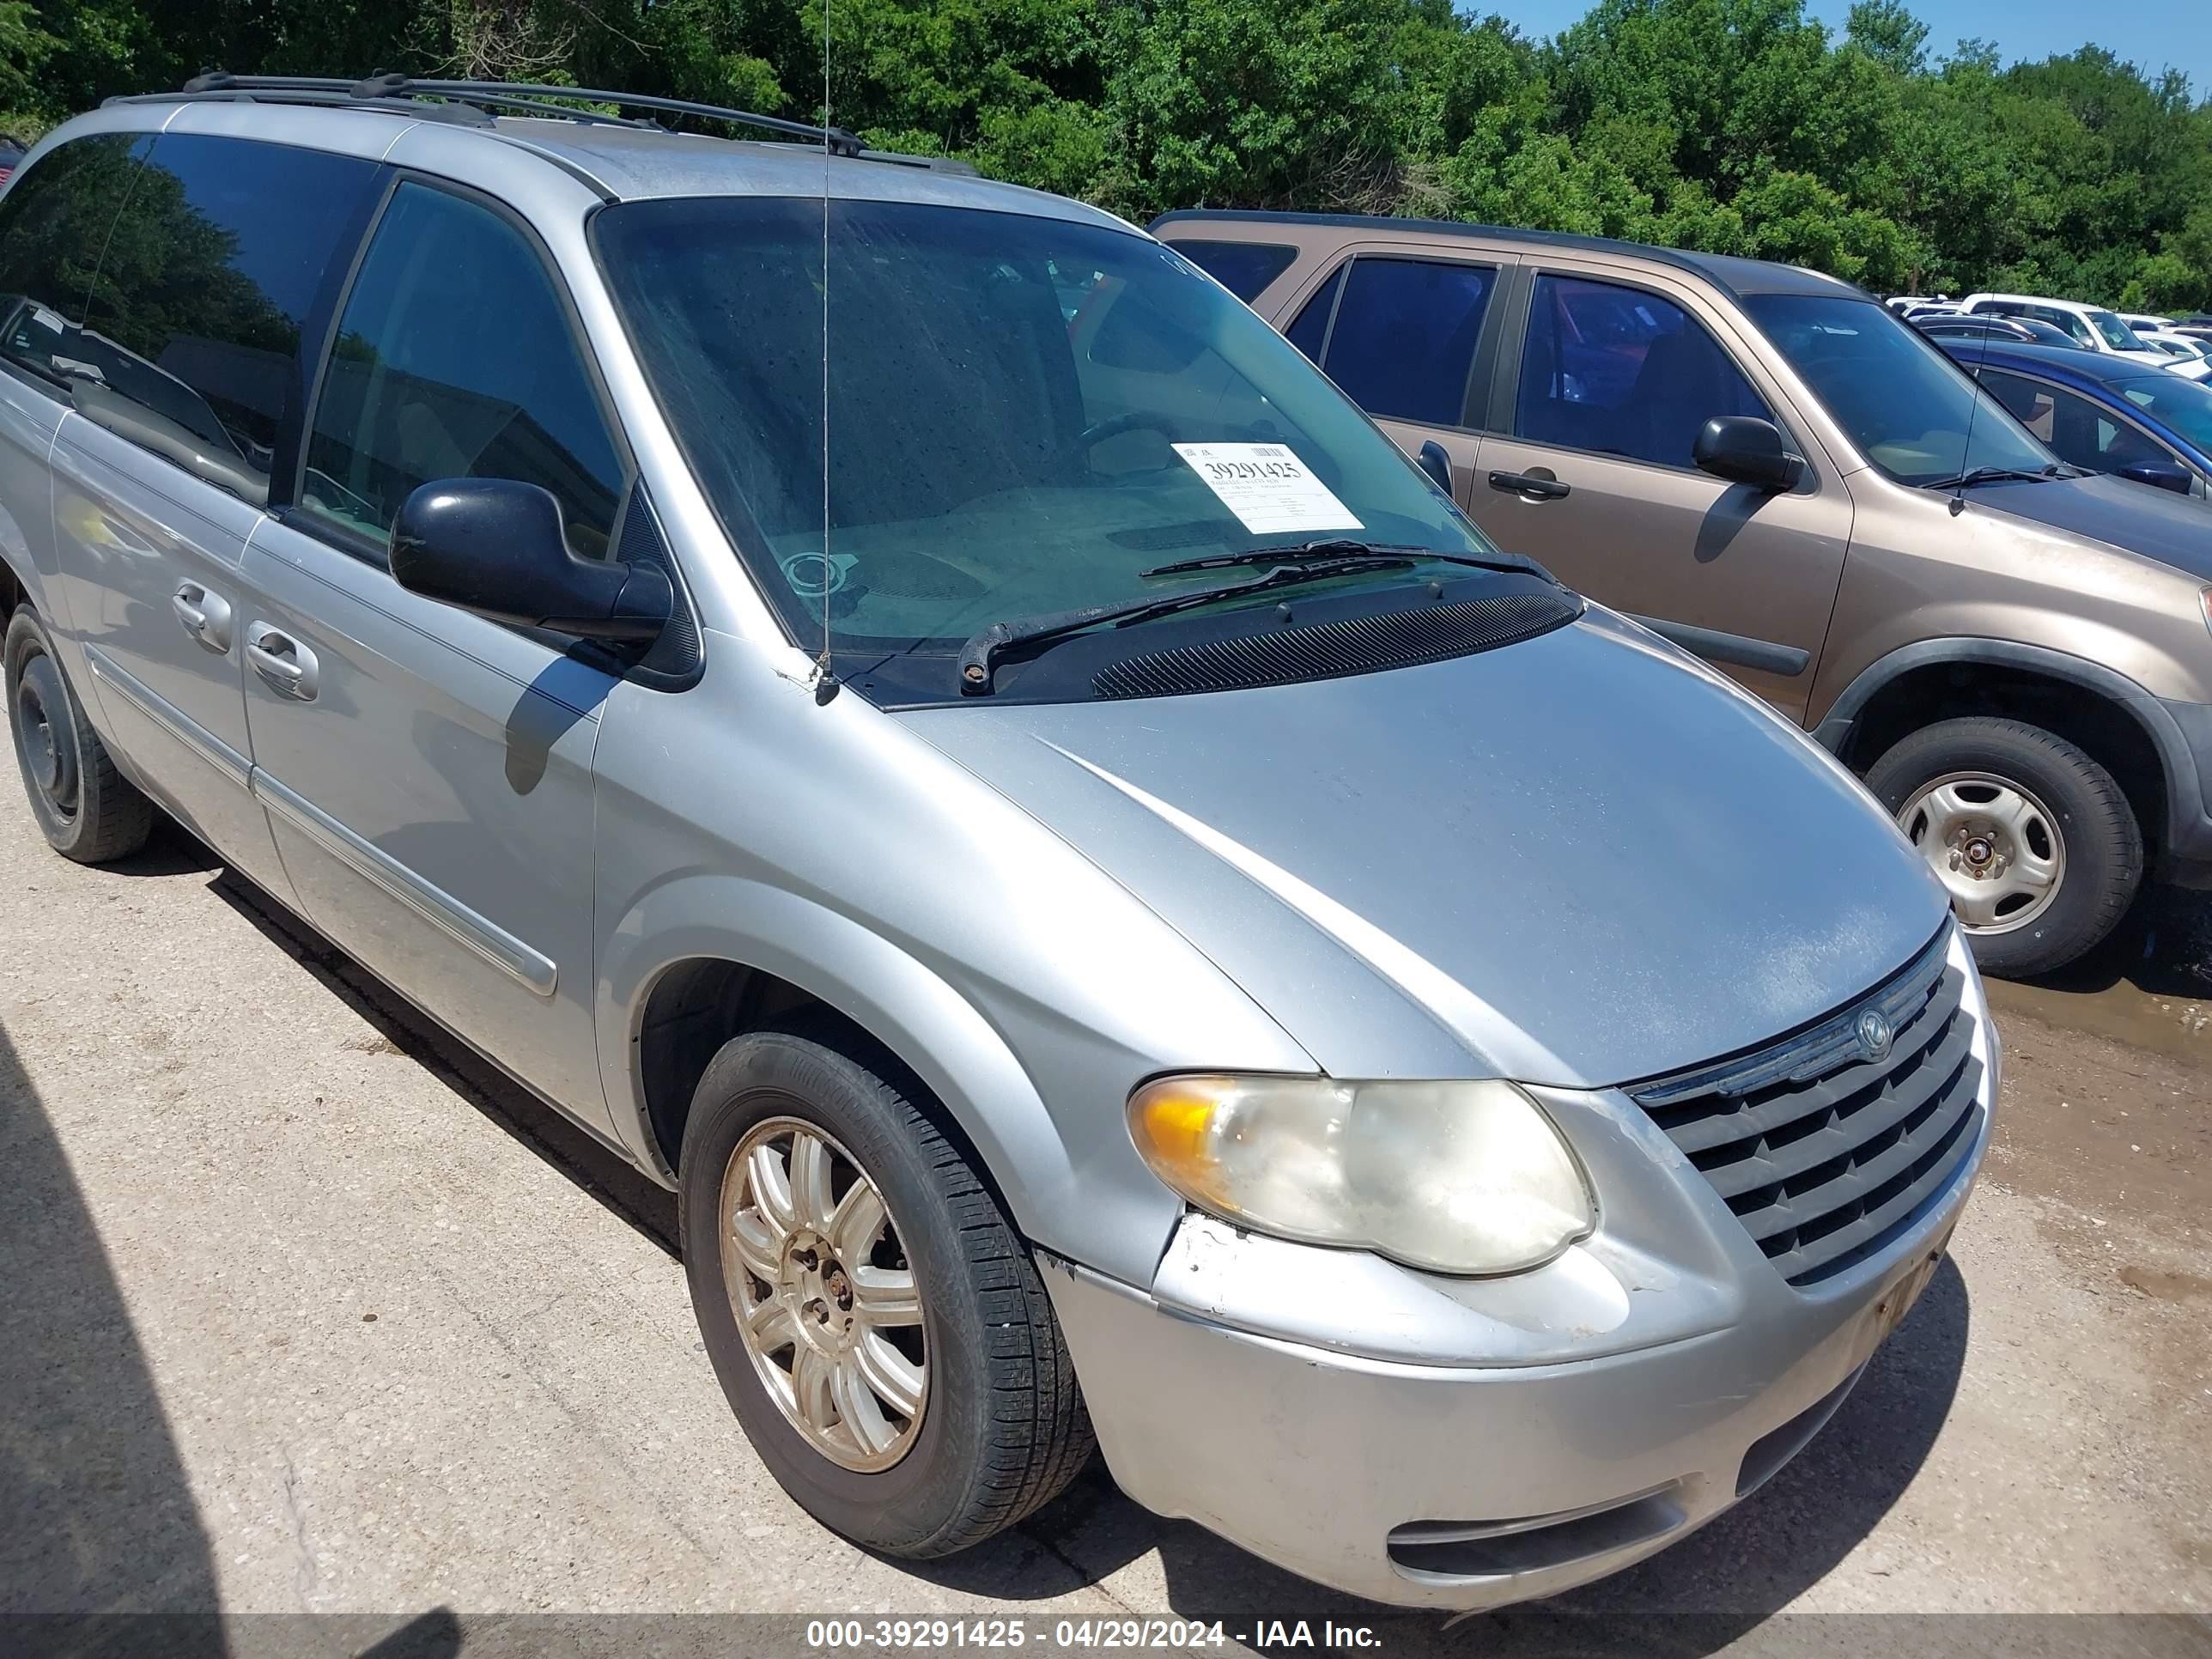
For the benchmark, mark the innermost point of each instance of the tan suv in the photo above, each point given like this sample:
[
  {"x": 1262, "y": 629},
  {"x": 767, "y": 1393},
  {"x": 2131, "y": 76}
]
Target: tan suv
[{"x": 1767, "y": 467}]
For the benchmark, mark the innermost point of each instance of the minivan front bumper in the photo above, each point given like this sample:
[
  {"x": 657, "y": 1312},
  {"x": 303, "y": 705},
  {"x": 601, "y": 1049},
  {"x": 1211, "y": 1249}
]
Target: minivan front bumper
[
  {"x": 1469, "y": 1443},
  {"x": 1461, "y": 1487}
]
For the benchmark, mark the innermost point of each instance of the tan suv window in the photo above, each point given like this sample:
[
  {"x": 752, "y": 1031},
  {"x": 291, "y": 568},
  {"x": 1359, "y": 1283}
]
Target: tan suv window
[
  {"x": 1620, "y": 371},
  {"x": 1402, "y": 344}
]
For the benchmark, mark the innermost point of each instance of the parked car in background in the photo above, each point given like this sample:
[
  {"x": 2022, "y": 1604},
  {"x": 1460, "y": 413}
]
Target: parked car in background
[
  {"x": 12, "y": 151},
  {"x": 982, "y": 889},
  {"x": 2189, "y": 357},
  {"x": 2144, "y": 322},
  {"x": 1768, "y": 467},
  {"x": 2022, "y": 330},
  {"x": 2103, "y": 413},
  {"x": 2093, "y": 327}
]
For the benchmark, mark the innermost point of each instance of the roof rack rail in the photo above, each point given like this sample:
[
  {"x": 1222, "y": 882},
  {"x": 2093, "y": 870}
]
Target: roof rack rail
[{"x": 383, "y": 90}]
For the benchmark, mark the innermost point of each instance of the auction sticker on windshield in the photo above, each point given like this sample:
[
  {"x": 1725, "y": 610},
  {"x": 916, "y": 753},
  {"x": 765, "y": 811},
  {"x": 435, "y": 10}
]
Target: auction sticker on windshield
[{"x": 1268, "y": 487}]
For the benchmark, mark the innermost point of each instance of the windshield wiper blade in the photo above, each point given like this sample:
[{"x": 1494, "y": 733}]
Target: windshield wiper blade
[
  {"x": 1337, "y": 547},
  {"x": 1982, "y": 475},
  {"x": 980, "y": 656}
]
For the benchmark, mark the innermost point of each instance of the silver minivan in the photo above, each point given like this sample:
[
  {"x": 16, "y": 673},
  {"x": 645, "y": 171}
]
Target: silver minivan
[{"x": 901, "y": 708}]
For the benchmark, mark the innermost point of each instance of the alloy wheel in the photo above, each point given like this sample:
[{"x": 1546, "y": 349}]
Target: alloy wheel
[{"x": 825, "y": 1299}]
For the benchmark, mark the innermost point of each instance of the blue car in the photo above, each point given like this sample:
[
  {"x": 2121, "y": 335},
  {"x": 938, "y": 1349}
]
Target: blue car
[{"x": 2105, "y": 413}]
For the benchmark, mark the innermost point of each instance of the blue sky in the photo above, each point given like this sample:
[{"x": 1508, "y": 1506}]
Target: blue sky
[{"x": 2155, "y": 33}]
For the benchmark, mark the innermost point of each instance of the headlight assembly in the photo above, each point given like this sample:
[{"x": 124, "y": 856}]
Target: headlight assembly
[{"x": 1455, "y": 1177}]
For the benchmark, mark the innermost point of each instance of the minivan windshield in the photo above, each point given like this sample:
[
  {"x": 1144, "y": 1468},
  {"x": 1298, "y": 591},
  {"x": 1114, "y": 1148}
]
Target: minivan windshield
[
  {"x": 1026, "y": 415},
  {"x": 1905, "y": 404}
]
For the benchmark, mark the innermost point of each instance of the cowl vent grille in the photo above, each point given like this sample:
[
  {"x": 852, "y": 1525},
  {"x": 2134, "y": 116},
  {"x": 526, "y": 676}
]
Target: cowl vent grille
[{"x": 1359, "y": 645}]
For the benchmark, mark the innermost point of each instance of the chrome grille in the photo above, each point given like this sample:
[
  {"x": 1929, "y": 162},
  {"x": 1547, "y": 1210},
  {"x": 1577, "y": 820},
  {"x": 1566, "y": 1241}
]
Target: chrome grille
[{"x": 1825, "y": 1155}]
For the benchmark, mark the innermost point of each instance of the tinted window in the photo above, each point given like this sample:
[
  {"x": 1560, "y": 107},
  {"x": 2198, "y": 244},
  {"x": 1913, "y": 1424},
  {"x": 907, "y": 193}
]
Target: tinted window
[
  {"x": 1243, "y": 268},
  {"x": 456, "y": 359},
  {"x": 2181, "y": 404},
  {"x": 1909, "y": 408},
  {"x": 52, "y": 224},
  {"x": 2077, "y": 429},
  {"x": 194, "y": 317},
  {"x": 1311, "y": 332},
  {"x": 1623, "y": 372},
  {"x": 1405, "y": 334}
]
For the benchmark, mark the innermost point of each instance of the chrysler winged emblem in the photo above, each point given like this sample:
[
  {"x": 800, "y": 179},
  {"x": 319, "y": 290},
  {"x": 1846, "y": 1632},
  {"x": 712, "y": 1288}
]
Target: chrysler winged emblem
[{"x": 1875, "y": 1034}]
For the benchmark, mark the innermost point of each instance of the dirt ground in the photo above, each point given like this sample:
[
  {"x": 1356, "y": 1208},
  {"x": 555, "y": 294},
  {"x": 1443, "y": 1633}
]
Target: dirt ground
[{"x": 304, "y": 1311}]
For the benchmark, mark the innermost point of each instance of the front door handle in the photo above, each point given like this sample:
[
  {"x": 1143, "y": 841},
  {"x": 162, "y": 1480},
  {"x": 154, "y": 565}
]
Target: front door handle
[
  {"x": 206, "y": 616},
  {"x": 1527, "y": 484},
  {"x": 282, "y": 661}
]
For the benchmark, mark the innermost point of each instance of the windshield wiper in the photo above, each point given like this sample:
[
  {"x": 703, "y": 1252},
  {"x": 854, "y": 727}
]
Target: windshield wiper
[
  {"x": 1982, "y": 475},
  {"x": 1337, "y": 547},
  {"x": 980, "y": 656}
]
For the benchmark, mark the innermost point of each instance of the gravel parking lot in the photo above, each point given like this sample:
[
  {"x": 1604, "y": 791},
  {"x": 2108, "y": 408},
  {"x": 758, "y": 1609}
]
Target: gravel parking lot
[{"x": 304, "y": 1311}]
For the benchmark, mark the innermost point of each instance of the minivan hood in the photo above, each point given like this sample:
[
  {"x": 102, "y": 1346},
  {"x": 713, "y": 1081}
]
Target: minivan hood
[
  {"x": 1585, "y": 857},
  {"x": 2158, "y": 523}
]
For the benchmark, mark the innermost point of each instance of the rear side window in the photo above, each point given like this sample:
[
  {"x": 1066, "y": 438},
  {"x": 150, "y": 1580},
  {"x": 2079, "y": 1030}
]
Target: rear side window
[
  {"x": 1311, "y": 332},
  {"x": 53, "y": 222},
  {"x": 1620, "y": 371},
  {"x": 456, "y": 359},
  {"x": 217, "y": 258},
  {"x": 1243, "y": 268},
  {"x": 1403, "y": 342}
]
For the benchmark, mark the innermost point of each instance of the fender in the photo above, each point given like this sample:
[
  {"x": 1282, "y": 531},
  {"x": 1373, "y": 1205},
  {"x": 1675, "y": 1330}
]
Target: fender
[
  {"x": 1118, "y": 1224},
  {"x": 2184, "y": 785}
]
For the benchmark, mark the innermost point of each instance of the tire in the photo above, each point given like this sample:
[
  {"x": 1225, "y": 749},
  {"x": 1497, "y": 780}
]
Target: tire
[
  {"x": 86, "y": 808},
  {"x": 2100, "y": 844},
  {"x": 1000, "y": 1429}
]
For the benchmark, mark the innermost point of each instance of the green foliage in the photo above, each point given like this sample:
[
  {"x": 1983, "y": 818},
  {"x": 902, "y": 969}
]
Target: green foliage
[{"x": 1740, "y": 126}]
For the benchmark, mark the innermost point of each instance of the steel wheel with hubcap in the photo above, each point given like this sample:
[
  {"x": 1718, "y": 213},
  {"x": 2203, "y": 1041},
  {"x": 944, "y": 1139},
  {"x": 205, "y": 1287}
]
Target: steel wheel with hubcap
[
  {"x": 85, "y": 807},
  {"x": 824, "y": 1298},
  {"x": 1996, "y": 849},
  {"x": 2033, "y": 841},
  {"x": 43, "y": 739}
]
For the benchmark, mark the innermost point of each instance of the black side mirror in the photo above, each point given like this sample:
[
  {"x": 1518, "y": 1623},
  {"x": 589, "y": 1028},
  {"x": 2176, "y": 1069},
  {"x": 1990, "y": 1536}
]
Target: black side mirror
[
  {"x": 1744, "y": 449},
  {"x": 497, "y": 547},
  {"x": 2162, "y": 475},
  {"x": 1437, "y": 463}
]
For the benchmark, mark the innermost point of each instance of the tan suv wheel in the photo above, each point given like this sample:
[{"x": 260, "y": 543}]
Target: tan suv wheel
[{"x": 2032, "y": 839}]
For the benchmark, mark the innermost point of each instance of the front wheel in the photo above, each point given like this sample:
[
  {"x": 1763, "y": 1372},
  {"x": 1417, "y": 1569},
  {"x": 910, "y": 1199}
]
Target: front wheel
[
  {"x": 879, "y": 1329},
  {"x": 2032, "y": 839}
]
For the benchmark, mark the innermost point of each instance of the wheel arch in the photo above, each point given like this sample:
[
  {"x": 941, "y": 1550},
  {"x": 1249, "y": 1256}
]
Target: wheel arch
[
  {"x": 2118, "y": 722},
  {"x": 663, "y": 1012}
]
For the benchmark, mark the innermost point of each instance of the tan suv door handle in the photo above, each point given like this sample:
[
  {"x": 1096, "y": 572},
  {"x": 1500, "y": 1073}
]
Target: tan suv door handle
[
  {"x": 282, "y": 660},
  {"x": 1529, "y": 484}
]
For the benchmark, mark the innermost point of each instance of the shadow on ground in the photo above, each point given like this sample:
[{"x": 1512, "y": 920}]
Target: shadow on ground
[
  {"x": 95, "y": 1515},
  {"x": 640, "y": 1203},
  {"x": 2163, "y": 948}
]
